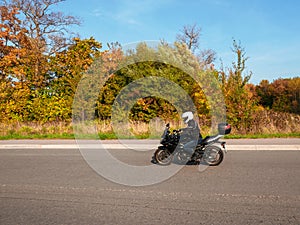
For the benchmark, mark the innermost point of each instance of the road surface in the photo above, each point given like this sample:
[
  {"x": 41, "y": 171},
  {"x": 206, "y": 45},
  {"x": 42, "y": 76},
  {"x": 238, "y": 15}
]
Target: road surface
[{"x": 56, "y": 186}]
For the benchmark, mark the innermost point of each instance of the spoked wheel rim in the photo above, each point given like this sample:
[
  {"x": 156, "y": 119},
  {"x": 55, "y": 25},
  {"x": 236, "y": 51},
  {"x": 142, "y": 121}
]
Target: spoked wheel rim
[{"x": 163, "y": 157}]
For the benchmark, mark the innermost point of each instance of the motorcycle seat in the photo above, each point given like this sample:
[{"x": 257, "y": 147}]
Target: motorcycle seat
[{"x": 208, "y": 139}]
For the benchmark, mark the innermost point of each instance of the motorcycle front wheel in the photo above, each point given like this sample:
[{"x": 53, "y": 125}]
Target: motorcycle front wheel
[
  {"x": 213, "y": 155},
  {"x": 163, "y": 157}
]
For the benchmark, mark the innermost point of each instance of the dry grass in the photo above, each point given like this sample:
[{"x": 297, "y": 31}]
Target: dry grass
[
  {"x": 264, "y": 123},
  {"x": 35, "y": 128},
  {"x": 270, "y": 122}
]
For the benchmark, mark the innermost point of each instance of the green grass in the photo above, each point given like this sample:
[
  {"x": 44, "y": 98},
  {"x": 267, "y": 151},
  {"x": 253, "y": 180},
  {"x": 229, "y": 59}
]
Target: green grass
[
  {"x": 36, "y": 136},
  {"x": 111, "y": 136},
  {"x": 257, "y": 136},
  {"x": 102, "y": 136}
]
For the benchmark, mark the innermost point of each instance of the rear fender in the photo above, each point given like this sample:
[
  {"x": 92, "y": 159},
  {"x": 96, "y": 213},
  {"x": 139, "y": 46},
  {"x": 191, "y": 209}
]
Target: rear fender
[{"x": 220, "y": 145}]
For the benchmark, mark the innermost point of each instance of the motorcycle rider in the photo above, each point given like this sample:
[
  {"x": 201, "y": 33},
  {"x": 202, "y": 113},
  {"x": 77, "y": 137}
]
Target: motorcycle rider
[{"x": 191, "y": 134}]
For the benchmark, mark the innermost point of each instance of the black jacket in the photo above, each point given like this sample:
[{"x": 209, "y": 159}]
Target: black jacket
[{"x": 192, "y": 131}]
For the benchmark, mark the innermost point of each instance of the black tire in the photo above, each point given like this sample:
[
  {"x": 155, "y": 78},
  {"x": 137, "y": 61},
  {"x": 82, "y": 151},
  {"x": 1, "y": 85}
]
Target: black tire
[
  {"x": 163, "y": 157},
  {"x": 213, "y": 155}
]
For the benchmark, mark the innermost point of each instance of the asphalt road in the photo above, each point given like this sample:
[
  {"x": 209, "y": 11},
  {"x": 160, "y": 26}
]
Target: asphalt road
[{"x": 56, "y": 186}]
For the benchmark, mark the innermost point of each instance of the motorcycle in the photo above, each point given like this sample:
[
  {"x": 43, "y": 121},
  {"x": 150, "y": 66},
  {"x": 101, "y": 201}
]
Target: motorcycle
[{"x": 211, "y": 150}]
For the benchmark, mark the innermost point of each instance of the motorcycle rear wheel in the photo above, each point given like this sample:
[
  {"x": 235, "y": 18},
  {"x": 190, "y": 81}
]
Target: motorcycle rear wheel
[
  {"x": 163, "y": 157},
  {"x": 213, "y": 156}
]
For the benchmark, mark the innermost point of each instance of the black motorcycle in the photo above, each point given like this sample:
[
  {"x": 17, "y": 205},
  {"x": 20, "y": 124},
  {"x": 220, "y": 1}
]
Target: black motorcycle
[{"x": 210, "y": 149}]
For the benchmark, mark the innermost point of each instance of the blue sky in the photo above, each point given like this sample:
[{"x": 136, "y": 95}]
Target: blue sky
[{"x": 268, "y": 30}]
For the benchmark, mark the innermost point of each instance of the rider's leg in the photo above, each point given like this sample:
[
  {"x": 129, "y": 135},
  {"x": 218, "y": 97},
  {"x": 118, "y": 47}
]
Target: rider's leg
[{"x": 190, "y": 146}]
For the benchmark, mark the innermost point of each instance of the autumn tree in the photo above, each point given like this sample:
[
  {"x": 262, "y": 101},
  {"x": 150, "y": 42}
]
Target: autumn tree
[
  {"x": 281, "y": 95},
  {"x": 140, "y": 65},
  {"x": 240, "y": 102},
  {"x": 30, "y": 33},
  {"x": 13, "y": 65},
  {"x": 46, "y": 32},
  {"x": 54, "y": 102}
]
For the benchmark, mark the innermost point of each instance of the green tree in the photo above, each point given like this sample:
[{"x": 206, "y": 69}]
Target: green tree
[
  {"x": 139, "y": 64},
  {"x": 68, "y": 67}
]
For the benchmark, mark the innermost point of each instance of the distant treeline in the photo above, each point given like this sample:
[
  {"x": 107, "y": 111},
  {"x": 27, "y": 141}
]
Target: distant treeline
[
  {"x": 40, "y": 71},
  {"x": 282, "y": 95}
]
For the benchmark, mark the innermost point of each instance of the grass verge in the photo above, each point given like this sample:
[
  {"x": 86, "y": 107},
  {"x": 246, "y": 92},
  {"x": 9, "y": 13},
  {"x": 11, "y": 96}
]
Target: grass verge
[
  {"x": 65, "y": 130},
  {"x": 257, "y": 136},
  {"x": 112, "y": 136}
]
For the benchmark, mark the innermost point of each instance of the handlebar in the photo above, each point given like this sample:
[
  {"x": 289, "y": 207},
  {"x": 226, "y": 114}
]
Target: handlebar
[{"x": 177, "y": 131}]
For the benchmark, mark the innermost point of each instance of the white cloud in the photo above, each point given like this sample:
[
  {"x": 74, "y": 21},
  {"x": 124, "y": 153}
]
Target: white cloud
[
  {"x": 130, "y": 11},
  {"x": 97, "y": 13}
]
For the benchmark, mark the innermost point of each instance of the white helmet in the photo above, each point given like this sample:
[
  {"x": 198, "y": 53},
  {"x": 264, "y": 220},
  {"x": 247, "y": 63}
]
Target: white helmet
[{"x": 187, "y": 116}]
